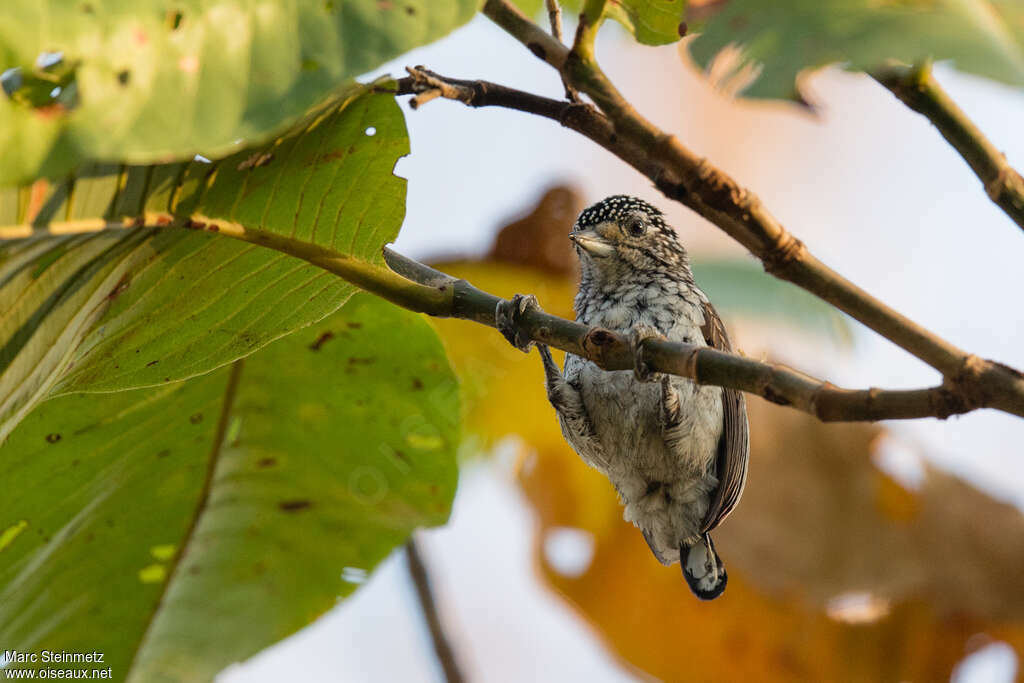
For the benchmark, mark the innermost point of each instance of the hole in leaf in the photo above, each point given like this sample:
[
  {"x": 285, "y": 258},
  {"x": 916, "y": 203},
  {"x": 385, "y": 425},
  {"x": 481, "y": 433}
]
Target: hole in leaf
[{"x": 371, "y": 131}]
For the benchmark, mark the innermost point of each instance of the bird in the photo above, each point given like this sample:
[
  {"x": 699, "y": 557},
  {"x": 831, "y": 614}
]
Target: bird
[{"x": 675, "y": 451}]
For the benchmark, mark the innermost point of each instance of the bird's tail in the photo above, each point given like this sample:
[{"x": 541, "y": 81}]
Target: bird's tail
[{"x": 703, "y": 569}]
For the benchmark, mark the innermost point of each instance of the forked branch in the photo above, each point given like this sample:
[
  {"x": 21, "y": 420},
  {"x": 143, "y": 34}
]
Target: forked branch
[{"x": 683, "y": 176}]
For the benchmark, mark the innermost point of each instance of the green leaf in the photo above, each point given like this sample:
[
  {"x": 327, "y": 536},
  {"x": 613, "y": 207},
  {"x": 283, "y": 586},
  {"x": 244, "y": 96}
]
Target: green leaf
[
  {"x": 777, "y": 40},
  {"x": 652, "y": 22},
  {"x": 155, "y": 80},
  {"x": 743, "y": 288},
  {"x": 181, "y": 528},
  {"x": 136, "y": 307}
]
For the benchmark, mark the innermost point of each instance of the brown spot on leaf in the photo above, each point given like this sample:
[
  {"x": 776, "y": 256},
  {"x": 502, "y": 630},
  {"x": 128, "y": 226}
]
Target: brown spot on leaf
[
  {"x": 256, "y": 160},
  {"x": 266, "y": 462},
  {"x": 354, "y": 326},
  {"x": 152, "y": 363},
  {"x": 417, "y": 384},
  {"x": 123, "y": 77},
  {"x": 683, "y": 28},
  {"x": 295, "y": 505},
  {"x": 52, "y": 438},
  {"x": 196, "y": 418},
  {"x": 356, "y": 360},
  {"x": 410, "y": 10},
  {"x": 321, "y": 340},
  {"x": 121, "y": 285},
  {"x": 164, "y": 453}
]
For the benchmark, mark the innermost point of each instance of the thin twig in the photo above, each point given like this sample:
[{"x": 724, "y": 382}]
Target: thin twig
[
  {"x": 421, "y": 580},
  {"x": 555, "y": 19},
  {"x": 918, "y": 89}
]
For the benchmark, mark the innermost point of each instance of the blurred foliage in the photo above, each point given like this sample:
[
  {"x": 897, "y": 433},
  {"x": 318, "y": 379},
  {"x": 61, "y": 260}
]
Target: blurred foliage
[
  {"x": 836, "y": 572},
  {"x": 120, "y": 309},
  {"x": 156, "y": 81},
  {"x": 772, "y": 42},
  {"x": 178, "y": 529}
]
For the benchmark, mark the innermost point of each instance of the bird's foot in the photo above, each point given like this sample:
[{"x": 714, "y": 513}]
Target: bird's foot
[
  {"x": 508, "y": 316},
  {"x": 641, "y": 368}
]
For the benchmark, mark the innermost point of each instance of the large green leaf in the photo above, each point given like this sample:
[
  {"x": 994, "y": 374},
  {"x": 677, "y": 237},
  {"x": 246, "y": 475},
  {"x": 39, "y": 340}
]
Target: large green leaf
[
  {"x": 152, "y": 80},
  {"x": 780, "y": 39},
  {"x": 178, "y": 529},
  {"x": 134, "y": 307}
]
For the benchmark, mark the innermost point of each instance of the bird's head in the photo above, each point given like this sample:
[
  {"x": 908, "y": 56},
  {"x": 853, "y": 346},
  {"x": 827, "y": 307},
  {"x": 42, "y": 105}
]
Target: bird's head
[{"x": 623, "y": 235}]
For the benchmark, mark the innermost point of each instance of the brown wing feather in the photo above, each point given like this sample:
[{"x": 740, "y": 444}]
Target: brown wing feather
[{"x": 734, "y": 446}]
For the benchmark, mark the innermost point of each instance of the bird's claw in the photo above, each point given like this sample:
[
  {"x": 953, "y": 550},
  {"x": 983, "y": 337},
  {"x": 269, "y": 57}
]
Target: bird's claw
[
  {"x": 507, "y": 318},
  {"x": 641, "y": 368}
]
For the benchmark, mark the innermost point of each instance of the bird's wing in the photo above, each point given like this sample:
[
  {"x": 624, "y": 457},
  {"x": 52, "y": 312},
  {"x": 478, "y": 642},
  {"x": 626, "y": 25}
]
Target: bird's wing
[{"x": 734, "y": 446}]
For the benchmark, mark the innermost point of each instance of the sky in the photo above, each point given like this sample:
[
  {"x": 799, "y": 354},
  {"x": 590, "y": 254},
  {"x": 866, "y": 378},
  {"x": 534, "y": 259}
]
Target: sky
[{"x": 869, "y": 186}]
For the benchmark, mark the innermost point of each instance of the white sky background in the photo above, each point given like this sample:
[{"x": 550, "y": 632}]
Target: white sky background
[{"x": 870, "y": 187}]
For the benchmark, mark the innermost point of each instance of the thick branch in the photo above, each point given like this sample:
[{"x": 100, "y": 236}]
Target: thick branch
[
  {"x": 918, "y": 89},
  {"x": 693, "y": 181},
  {"x": 774, "y": 382}
]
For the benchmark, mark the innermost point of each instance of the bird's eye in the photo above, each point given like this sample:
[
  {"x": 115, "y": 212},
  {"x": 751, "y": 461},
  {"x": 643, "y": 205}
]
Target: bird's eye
[{"x": 636, "y": 226}]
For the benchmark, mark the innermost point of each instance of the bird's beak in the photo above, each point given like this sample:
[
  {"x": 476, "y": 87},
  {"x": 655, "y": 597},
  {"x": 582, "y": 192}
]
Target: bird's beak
[{"x": 592, "y": 243}]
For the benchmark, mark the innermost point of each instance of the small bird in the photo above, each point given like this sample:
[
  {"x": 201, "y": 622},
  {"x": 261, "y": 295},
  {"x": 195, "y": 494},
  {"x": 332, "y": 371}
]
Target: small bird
[{"x": 675, "y": 451}]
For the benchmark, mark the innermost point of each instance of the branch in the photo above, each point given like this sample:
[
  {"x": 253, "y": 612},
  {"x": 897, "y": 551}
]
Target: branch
[
  {"x": 919, "y": 90},
  {"x": 774, "y": 382},
  {"x": 683, "y": 176},
  {"x": 420, "y": 288},
  {"x": 421, "y": 581}
]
